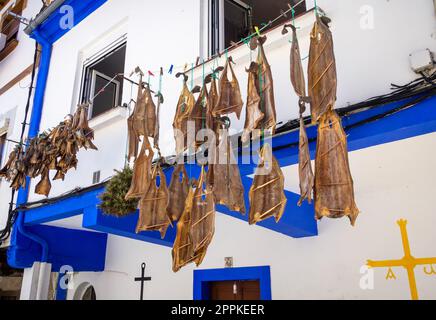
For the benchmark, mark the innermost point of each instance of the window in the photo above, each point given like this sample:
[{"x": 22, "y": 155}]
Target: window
[
  {"x": 233, "y": 20},
  {"x": 9, "y": 27},
  {"x": 102, "y": 84}
]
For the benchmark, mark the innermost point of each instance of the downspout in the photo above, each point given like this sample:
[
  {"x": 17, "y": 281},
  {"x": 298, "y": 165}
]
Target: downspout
[{"x": 35, "y": 121}]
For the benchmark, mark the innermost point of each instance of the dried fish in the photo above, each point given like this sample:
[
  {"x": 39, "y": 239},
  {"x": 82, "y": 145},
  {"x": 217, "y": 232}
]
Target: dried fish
[
  {"x": 153, "y": 205},
  {"x": 305, "y": 171},
  {"x": 267, "y": 197},
  {"x": 44, "y": 186},
  {"x": 334, "y": 189},
  {"x": 196, "y": 227},
  {"x": 198, "y": 115},
  {"x": 322, "y": 70},
  {"x": 184, "y": 107},
  {"x": 227, "y": 185},
  {"x": 141, "y": 172},
  {"x": 202, "y": 219},
  {"x": 254, "y": 115},
  {"x": 230, "y": 99},
  {"x": 179, "y": 189},
  {"x": 183, "y": 250},
  {"x": 265, "y": 87},
  {"x": 150, "y": 114}
]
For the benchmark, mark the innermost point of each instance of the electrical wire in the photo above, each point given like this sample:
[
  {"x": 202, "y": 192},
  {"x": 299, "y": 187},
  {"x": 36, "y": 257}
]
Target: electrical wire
[{"x": 6, "y": 232}]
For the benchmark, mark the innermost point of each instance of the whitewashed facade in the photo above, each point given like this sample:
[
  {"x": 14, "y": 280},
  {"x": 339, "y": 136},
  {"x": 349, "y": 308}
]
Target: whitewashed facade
[{"x": 392, "y": 181}]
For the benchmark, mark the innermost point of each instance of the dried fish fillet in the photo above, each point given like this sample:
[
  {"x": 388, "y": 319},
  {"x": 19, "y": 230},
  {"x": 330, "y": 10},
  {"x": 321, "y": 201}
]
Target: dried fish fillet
[
  {"x": 153, "y": 205},
  {"x": 198, "y": 115},
  {"x": 322, "y": 70},
  {"x": 44, "y": 186},
  {"x": 297, "y": 73},
  {"x": 196, "y": 227},
  {"x": 141, "y": 171},
  {"x": 230, "y": 99},
  {"x": 179, "y": 189},
  {"x": 150, "y": 108},
  {"x": 254, "y": 115},
  {"x": 334, "y": 189},
  {"x": 202, "y": 219},
  {"x": 267, "y": 197},
  {"x": 183, "y": 250},
  {"x": 265, "y": 87},
  {"x": 227, "y": 185},
  {"x": 305, "y": 171},
  {"x": 184, "y": 107}
]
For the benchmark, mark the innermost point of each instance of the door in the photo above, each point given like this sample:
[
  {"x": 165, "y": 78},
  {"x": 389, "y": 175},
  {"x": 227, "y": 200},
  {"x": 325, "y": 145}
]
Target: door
[{"x": 235, "y": 290}]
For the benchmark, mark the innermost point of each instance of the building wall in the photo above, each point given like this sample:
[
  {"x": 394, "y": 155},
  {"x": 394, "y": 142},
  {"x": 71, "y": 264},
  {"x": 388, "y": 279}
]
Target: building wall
[
  {"x": 13, "y": 101},
  {"x": 168, "y": 33},
  {"x": 393, "y": 181}
]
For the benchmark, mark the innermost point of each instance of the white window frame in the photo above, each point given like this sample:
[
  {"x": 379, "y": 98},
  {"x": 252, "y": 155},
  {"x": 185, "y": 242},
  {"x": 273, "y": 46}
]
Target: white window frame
[{"x": 92, "y": 92}]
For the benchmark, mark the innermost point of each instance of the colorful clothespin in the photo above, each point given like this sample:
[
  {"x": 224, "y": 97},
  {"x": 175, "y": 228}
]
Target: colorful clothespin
[
  {"x": 171, "y": 69},
  {"x": 257, "y": 30}
]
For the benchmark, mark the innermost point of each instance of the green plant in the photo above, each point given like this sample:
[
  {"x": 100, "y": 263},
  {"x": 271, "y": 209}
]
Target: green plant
[{"x": 113, "y": 199}]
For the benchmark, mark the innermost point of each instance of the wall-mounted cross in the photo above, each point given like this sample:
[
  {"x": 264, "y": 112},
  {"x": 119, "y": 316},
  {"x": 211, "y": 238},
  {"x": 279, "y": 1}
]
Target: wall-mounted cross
[
  {"x": 408, "y": 262},
  {"x": 142, "y": 279}
]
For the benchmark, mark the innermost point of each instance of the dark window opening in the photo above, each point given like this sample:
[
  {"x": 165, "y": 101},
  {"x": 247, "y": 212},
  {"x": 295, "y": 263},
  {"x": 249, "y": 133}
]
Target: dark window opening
[
  {"x": 103, "y": 82},
  {"x": 241, "y": 16}
]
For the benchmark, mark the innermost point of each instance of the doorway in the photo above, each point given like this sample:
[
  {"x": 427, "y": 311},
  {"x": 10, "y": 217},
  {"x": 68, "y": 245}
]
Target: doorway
[{"x": 251, "y": 283}]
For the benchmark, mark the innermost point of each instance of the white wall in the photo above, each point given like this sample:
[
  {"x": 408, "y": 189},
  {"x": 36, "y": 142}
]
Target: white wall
[
  {"x": 167, "y": 32},
  {"x": 393, "y": 181},
  {"x": 13, "y": 101}
]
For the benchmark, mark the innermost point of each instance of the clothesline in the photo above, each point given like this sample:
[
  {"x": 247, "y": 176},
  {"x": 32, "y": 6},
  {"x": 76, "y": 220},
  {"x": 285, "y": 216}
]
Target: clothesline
[{"x": 258, "y": 31}]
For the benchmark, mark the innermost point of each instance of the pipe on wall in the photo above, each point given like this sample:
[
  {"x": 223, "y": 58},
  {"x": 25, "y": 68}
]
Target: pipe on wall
[{"x": 34, "y": 126}]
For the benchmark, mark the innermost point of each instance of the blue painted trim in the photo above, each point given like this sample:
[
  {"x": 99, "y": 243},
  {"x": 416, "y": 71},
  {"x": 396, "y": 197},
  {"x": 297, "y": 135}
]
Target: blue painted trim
[
  {"x": 95, "y": 219},
  {"x": 35, "y": 121},
  {"x": 203, "y": 277},
  {"x": 84, "y": 251},
  {"x": 63, "y": 209},
  {"x": 61, "y": 294},
  {"x": 82, "y": 9}
]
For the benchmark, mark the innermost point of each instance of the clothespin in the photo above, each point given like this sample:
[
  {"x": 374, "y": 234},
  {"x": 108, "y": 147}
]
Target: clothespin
[
  {"x": 256, "y": 28},
  {"x": 171, "y": 69}
]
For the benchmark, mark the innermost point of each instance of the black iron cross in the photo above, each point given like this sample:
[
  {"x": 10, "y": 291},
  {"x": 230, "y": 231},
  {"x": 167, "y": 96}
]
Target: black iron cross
[{"x": 143, "y": 279}]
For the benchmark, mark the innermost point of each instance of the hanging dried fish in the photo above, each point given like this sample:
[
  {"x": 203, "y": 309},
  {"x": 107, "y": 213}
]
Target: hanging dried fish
[
  {"x": 202, "y": 219},
  {"x": 44, "y": 186},
  {"x": 230, "y": 99},
  {"x": 160, "y": 101},
  {"x": 305, "y": 167},
  {"x": 137, "y": 122},
  {"x": 198, "y": 115},
  {"x": 141, "y": 172},
  {"x": 227, "y": 185},
  {"x": 265, "y": 87},
  {"x": 334, "y": 190},
  {"x": 153, "y": 205},
  {"x": 267, "y": 197},
  {"x": 196, "y": 226},
  {"x": 322, "y": 70},
  {"x": 150, "y": 108},
  {"x": 84, "y": 132},
  {"x": 254, "y": 115},
  {"x": 299, "y": 84},
  {"x": 183, "y": 250},
  {"x": 179, "y": 189},
  {"x": 184, "y": 107}
]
